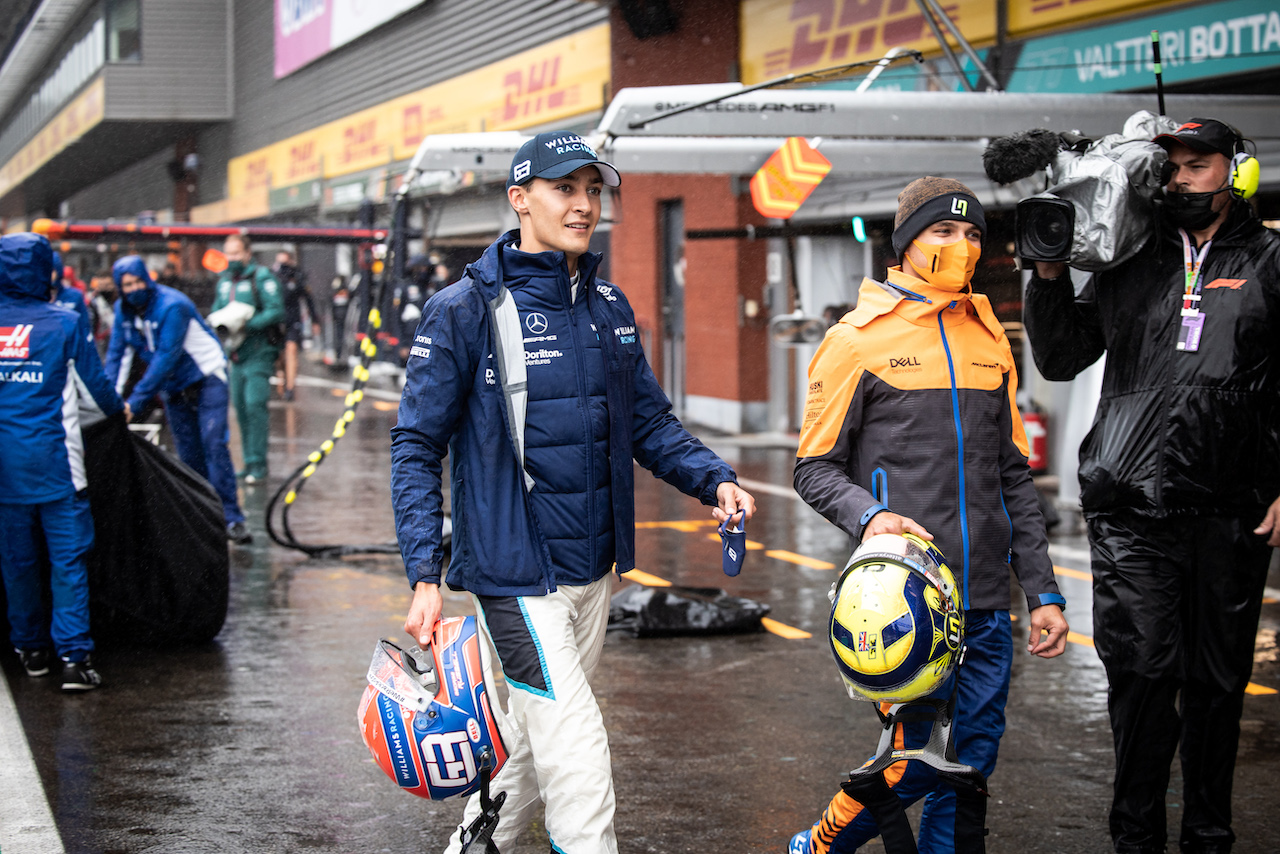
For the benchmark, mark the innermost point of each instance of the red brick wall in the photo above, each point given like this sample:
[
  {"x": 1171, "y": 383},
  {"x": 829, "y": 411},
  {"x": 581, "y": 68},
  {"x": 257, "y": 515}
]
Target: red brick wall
[{"x": 725, "y": 356}]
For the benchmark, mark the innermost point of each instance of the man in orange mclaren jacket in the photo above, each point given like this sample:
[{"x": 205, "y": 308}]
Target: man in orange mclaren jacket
[{"x": 911, "y": 426}]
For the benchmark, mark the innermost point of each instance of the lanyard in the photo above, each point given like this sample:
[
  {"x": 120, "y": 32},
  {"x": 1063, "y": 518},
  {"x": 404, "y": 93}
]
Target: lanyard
[
  {"x": 1192, "y": 261},
  {"x": 1190, "y": 317}
]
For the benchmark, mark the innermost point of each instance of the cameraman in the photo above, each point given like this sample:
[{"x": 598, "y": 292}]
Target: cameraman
[{"x": 1179, "y": 478}]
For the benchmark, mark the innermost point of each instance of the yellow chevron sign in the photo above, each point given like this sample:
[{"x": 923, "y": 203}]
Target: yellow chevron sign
[{"x": 786, "y": 179}]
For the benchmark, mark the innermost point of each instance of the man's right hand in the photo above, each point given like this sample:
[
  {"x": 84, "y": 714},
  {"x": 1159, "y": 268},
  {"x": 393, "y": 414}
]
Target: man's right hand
[
  {"x": 1050, "y": 269},
  {"x": 886, "y": 522},
  {"x": 424, "y": 612}
]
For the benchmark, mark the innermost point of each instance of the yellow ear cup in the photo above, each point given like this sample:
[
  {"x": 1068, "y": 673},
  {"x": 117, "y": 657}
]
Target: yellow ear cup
[{"x": 1245, "y": 171}]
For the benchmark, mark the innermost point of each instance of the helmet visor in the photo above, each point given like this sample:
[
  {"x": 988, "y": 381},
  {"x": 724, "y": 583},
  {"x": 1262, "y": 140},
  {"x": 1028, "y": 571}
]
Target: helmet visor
[{"x": 406, "y": 677}]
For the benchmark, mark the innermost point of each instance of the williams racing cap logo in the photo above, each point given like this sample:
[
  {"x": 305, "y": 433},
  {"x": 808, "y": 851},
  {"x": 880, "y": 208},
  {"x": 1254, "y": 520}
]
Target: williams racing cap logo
[{"x": 571, "y": 142}]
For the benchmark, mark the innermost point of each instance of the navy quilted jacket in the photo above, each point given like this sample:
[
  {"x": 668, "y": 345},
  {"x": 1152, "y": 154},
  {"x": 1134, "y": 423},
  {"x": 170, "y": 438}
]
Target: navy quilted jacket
[{"x": 541, "y": 478}]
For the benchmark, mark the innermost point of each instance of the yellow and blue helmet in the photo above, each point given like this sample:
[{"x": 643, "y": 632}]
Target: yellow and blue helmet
[{"x": 897, "y": 625}]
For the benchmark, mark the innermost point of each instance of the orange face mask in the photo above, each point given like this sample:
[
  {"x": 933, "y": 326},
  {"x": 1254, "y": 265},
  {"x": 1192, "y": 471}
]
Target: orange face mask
[{"x": 948, "y": 266}]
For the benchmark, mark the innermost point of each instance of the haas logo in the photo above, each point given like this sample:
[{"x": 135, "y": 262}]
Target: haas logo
[{"x": 15, "y": 341}]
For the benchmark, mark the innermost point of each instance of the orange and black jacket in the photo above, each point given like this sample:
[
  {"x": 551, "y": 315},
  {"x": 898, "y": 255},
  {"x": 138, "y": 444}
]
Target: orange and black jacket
[{"x": 911, "y": 409}]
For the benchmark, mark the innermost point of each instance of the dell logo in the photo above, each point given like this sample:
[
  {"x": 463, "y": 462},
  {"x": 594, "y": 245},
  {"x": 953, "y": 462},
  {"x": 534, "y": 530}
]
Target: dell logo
[{"x": 908, "y": 362}]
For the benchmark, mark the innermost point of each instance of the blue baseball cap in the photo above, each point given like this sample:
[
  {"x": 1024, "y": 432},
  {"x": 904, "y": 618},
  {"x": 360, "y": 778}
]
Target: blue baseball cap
[{"x": 555, "y": 154}]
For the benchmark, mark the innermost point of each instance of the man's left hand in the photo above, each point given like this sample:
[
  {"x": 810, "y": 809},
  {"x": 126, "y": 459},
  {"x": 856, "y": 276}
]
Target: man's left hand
[
  {"x": 733, "y": 498},
  {"x": 1271, "y": 524},
  {"x": 1047, "y": 618}
]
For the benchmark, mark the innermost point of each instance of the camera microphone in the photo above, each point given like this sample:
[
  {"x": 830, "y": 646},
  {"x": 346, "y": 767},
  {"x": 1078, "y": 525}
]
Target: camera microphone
[{"x": 1011, "y": 158}]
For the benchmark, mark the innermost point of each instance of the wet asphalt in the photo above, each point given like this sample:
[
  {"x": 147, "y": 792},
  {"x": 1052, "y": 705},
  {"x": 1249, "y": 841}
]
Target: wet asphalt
[{"x": 720, "y": 744}]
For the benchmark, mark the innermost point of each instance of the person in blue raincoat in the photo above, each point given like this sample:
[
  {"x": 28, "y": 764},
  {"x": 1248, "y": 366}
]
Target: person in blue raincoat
[
  {"x": 186, "y": 366},
  {"x": 49, "y": 374}
]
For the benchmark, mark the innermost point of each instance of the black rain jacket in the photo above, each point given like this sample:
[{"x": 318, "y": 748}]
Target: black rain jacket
[{"x": 1175, "y": 433}]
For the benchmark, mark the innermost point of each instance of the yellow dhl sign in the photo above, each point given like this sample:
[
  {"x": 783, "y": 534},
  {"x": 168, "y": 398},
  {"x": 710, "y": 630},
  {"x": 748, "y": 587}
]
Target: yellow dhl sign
[
  {"x": 72, "y": 122},
  {"x": 554, "y": 81},
  {"x": 782, "y": 37},
  {"x": 789, "y": 36}
]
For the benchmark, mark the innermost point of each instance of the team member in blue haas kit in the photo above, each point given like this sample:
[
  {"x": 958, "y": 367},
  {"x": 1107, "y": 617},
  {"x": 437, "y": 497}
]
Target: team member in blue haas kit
[
  {"x": 529, "y": 373},
  {"x": 49, "y": 374},
  {"x": 186, "y": 366},
  {"x": 65, "y": 295}
]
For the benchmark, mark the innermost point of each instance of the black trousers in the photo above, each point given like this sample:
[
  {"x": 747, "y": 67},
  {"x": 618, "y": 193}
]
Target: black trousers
[{"x": 1175, "y": 616}]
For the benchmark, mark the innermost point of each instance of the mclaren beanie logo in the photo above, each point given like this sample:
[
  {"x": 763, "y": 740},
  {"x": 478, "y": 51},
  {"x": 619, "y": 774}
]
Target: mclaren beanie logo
[{"x": 959, "y": 206}]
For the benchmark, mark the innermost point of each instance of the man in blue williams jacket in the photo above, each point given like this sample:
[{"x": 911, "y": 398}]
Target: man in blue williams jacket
[
  {"x": 529, "y": 372},
  {"x": 186, "y": 367},
  {"x": 49, "y": 375}
]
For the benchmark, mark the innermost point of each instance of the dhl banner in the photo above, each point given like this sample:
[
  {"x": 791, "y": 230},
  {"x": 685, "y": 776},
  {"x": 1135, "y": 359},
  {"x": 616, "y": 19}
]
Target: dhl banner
[
  {"x": 554, "y": 81},
  {"x": 782, "y": 37},
  {"x": 72, "y": 122},
  {"x": 789, "y": 36},
  {"x": 1027, "y": 16}
]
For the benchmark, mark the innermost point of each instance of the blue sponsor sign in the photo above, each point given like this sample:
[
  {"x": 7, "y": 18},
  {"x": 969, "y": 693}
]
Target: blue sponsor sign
[{"x": 1209, "y": 40}]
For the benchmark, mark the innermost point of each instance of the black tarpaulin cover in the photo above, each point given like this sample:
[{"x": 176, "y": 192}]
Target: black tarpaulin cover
[
  {"x": 159, "y": 569},
  {"x": 669, "y": 611}
]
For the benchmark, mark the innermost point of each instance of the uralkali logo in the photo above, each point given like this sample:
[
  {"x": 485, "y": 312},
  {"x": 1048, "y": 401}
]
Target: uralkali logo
[{"x": 15, "y": 341}]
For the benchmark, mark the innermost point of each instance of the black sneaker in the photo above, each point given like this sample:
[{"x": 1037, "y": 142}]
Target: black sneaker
[
  {"x": 79, "y": 675},
  {"x": 238, "y": 533},
  {"x": 34, "y": 661},
  {"x": 288, "y": 395}
]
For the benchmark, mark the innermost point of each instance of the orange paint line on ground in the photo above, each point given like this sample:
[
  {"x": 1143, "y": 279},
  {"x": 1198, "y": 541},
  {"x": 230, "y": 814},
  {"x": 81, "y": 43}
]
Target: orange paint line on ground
[
  {"x": 752, "y": 545},
  {"x": 689, "y": 526},
  {"x": 337, "y": 392},
  {"x": 1252, "y": 688},
  {"x": 639, "y": 576},
  {"x": 801, "y": 560},
  {"x": 1083, "y": 640},
  {"x": 1072, "y": 573},
  {"x": 782, "y": 630},
  {"x": 385, "y": 406}
]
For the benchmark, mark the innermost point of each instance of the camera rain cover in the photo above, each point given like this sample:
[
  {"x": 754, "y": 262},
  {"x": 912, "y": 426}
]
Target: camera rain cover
[{"x": 1112, "y": 184}]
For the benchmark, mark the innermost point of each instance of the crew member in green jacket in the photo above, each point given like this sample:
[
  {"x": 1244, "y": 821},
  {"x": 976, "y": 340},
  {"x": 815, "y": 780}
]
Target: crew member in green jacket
[{"x": 253, "y": 361}]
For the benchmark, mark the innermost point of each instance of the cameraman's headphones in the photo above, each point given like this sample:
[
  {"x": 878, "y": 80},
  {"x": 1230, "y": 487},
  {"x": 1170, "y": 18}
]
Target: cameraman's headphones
[{"x": 1245, "y": 169}]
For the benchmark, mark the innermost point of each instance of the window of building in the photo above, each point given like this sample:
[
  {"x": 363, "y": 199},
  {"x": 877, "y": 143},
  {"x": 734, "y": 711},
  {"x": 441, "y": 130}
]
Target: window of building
[{"x": 124, "y": 31}]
